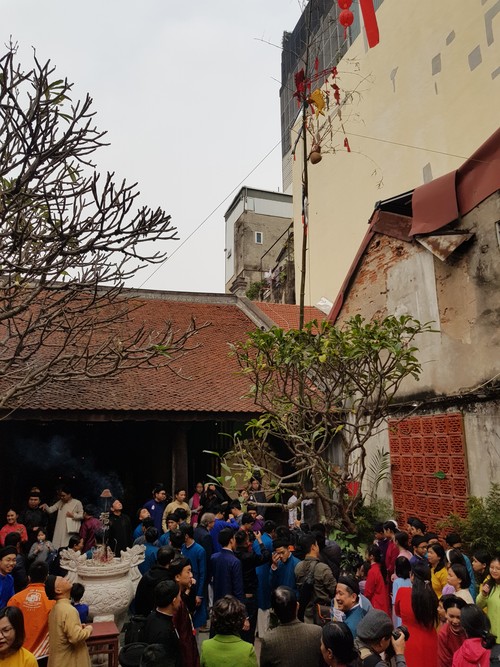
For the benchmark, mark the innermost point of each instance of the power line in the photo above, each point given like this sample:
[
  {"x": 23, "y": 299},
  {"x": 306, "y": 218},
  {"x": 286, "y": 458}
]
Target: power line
[
  {"x": 417, "y": 148},
  {"x": 211, "y": 214},
  {"x": 353, "y": 134}
]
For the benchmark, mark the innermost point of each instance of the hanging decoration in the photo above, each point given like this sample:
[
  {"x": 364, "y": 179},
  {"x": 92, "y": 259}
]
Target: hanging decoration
[
  {"x": 314, "y": 94},
  {"x": 315, "y": 154},
  {"x": 370, "y": 21},
  {"x": 316, "y": 98},
  {"x": 346, "y": 18},
  {"x": 300, "y": 86}
]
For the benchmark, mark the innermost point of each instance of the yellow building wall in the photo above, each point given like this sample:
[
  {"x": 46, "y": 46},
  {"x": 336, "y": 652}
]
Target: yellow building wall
[{"x": 423, "y": 100}]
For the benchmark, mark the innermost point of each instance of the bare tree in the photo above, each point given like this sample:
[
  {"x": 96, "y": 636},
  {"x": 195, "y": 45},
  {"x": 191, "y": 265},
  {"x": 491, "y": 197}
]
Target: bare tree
[{"x": 69, "y": 238}]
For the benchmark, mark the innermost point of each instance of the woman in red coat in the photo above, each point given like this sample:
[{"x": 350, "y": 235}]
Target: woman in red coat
[
  {"x": 376, "y": 588},
  {"x": 417, "y": 608}
]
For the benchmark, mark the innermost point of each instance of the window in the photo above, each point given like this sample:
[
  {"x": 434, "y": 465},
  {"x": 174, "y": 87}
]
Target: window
[{"x": 259, "y": 238}]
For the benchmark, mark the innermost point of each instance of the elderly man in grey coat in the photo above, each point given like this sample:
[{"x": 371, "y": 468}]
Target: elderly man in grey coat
[{"x": 292, "y": 643}]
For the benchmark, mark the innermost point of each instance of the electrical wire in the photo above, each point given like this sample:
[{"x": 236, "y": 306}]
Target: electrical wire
[
  {"x": 417, "y": 148},
  {"x": 189, "y": 236},
  {"x": 353, "y": 134}
]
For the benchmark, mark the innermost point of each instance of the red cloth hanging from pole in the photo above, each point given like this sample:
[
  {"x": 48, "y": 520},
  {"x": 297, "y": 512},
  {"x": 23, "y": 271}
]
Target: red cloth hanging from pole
[{"x": 370, "y": 21}]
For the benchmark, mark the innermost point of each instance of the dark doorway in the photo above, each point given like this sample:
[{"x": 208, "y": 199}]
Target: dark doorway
[{"x": 128, "y": 457}]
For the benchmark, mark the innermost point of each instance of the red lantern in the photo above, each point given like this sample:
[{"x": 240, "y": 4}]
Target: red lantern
[
  {"x": 346, "y": 18},
  {"x": 344, "y": 4}
]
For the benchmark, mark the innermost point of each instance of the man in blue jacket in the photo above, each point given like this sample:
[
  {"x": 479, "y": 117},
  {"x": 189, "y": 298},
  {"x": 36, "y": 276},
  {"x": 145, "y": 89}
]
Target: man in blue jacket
[
  {"x": 227, "y": 572},
  {"x": 7, "y": 564},
  {"x": 347, "y": 603},
  {"x": 226, "y": 568},
  {"x": 283, "y": 564}
]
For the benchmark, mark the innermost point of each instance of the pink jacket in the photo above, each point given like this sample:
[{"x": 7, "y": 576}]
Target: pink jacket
[{"x": 472, "y": 654}]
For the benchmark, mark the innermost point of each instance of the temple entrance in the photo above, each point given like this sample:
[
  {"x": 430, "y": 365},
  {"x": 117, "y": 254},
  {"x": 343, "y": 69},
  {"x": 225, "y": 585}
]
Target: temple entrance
[{"x": 128, "y": 457}]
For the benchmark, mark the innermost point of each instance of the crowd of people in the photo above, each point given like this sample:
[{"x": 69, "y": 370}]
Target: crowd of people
[{"x": 217, "y": 574}]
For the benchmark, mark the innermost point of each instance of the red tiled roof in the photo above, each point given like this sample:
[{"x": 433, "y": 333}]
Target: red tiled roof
[
  {"x": 286, "y": 316},
  {"x": 207, "y": 379},
  {"x": 210, "y": 380}
]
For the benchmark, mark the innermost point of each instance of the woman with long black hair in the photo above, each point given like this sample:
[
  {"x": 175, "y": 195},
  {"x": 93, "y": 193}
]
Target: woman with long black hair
[
  {"x": 376, "y": 588},
  {"x": 489, "y": 597},
  {"x": 481, "y": 560},
  {"x": 417, "y": 607},
  {"x": 476, "y": 649}
]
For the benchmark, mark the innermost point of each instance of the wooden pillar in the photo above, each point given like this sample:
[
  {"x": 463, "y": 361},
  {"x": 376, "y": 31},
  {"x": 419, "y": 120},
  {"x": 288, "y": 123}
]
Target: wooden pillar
[{"x": 180, "y": 458}]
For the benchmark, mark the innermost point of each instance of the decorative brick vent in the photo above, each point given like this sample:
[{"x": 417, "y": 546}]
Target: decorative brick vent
[{"x": 429, "y": 470}]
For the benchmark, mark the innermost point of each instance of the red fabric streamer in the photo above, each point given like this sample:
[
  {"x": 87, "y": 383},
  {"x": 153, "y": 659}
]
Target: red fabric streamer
[
  {"x": 299, "y": 85},
  {"x": 346, "y": 145},
  {"x": 336, "y": 93},
  {"x": 316, "y": 65},
  {"x": 370, "y": 21}
]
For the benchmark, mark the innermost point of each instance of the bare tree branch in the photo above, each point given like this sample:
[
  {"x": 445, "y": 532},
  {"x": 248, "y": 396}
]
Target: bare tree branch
[{"x": 69, "y": 239}]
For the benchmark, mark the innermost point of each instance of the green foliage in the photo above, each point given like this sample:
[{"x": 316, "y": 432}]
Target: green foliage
[
  {"x": 254, "y": 290},
  {"x": 355, "y": 544},
  {"x": 379, "y": 469},
  {"x": 325, "y": 388},
  {"x": 481, "y": 527},
  {"x": 368, "y": 515}
]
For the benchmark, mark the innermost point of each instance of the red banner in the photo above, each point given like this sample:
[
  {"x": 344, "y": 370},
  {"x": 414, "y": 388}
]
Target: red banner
[{"x": 370, "y": 21}]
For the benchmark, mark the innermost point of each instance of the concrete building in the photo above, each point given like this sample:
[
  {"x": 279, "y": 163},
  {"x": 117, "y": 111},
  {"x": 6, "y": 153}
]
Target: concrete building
[
  {"x": 412, "y": 108},
  {"x": 434, "y": 254},
  {"x": 258, "y": 228}
]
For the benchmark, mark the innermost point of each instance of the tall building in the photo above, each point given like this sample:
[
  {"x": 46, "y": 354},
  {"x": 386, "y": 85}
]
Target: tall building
[
  {"x": 318, "y": 29},
  {"x": 412, "y": 109},
  {"x": 258, "y": 248}
]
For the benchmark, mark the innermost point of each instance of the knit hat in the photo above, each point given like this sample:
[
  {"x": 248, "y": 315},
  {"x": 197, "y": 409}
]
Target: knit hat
[
  {"x": 8, "y": 551},
  {"x": 50, "y": 587},
  {"x": 375, "y": 625}
]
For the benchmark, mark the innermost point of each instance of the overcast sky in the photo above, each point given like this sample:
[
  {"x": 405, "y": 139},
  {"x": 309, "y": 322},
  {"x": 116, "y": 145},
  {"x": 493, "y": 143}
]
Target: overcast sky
[{"x": 189, "y": 94}]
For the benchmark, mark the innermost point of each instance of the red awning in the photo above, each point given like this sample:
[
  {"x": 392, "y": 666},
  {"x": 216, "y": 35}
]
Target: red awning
[{"x": 445, "y": 199}]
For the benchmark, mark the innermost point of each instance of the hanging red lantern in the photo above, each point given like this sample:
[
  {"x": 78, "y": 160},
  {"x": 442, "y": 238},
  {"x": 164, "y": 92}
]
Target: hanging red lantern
[
  {"x": 345, "y": 19},
  {"x": 344, "y": 4}
]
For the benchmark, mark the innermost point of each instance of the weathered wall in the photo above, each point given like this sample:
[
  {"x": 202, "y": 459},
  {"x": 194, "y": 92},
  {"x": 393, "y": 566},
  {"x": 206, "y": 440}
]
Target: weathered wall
[
  {"x": 461, "y": 296},
  {"x": 424, "y": 99},
  {"x": 482, "y": 437},
  {"x": 248, "y": 255}
]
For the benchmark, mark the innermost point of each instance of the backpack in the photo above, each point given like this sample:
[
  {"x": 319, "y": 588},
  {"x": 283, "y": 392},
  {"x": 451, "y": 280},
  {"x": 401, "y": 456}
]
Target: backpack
[
  {"x": 130, "y": 655},
  {"x": 306, "y": 592},
  {"x": 134, "y": 629}
]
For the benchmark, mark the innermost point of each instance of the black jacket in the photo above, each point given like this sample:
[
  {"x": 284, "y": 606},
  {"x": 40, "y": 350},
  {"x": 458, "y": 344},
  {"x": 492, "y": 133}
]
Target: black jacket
[
  {"x": 145, "y": 593},
  {"x": 249, "y": 561}
]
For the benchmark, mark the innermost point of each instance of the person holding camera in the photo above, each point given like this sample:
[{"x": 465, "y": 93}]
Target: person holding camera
[{"x": 377, "y": 637}]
